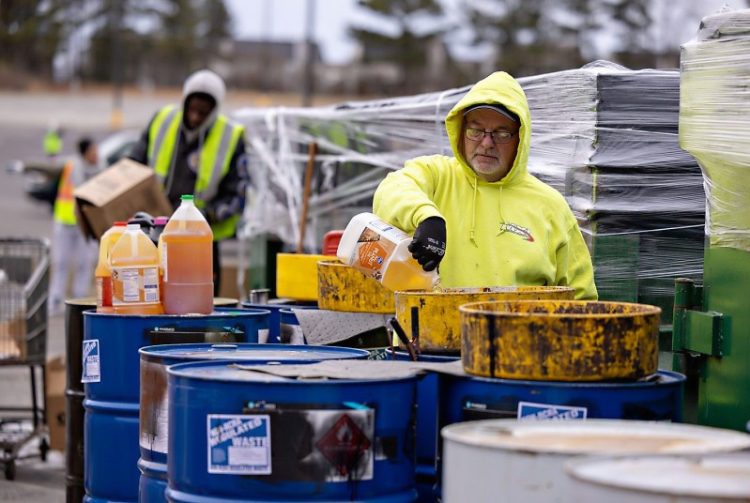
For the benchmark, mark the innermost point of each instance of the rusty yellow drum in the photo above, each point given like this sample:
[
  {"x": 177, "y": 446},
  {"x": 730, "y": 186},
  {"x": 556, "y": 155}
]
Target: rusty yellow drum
[
  {"x": 343, "y": 288},
  {"x": 560, "y": 340},
  {"x": 434, "y": 316}
]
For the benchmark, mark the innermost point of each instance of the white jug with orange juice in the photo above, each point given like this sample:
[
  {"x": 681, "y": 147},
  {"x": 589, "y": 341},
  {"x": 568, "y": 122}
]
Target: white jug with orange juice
[
  {"x": 103, "y": 272},
  {"x": 380, "y": 250},
  {"x": 135, "y": 274},
  {"x": 186, "y": 252}
]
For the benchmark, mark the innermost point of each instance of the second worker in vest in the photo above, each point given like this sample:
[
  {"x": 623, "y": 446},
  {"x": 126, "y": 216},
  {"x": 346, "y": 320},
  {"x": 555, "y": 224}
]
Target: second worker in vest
[
  {"x": 71, "y": 253},
  {"x": 196, "y": 150}
]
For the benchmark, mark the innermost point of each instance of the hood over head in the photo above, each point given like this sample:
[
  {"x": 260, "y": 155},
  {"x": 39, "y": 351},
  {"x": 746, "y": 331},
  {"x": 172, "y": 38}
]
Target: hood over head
[
  {"x": 203, "y": 82},
  {"x": 498, "y": 89}
]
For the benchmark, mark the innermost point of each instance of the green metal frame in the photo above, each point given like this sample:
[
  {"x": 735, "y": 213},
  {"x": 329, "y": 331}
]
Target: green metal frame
[{"x": 713, "y": 321}]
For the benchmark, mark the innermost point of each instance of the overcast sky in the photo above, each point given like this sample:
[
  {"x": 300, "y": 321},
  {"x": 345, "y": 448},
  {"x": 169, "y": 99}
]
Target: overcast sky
[{"x": 285, "y": 20}]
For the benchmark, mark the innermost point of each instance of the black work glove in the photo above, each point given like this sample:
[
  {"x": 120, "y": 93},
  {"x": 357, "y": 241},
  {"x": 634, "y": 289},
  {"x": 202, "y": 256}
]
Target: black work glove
[{"x": 428, "y": 245}]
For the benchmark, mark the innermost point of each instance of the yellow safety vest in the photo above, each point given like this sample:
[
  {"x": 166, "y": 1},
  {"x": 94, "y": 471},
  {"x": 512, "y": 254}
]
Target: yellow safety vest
[
  {"x": 52, "y": 143},
  {"x": 64, "y": 210},
  {"x": 214, "y": 158}
]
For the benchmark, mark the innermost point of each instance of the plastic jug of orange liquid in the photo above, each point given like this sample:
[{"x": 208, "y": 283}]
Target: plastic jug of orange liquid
[
  {"x": 381, "y": 251},
  {"x": 135, "y": 274},
  {"x": 103, "y": 272},
  {"x": 186, "y": 252}
]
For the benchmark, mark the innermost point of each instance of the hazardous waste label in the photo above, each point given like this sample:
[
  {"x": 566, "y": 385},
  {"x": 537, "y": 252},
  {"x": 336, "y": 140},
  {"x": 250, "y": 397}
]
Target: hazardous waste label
[
  {"x": 239, "y": 444},
  {"x": 530, "y": 411},
  {"x": 91, "y": 362}
]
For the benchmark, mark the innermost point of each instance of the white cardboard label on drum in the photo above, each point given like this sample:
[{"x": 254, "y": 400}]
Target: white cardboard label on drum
[
  {"x": 239, "y": 444},
  {"x": 530, "y": 411},
  {"x": 91, "y": 362}
]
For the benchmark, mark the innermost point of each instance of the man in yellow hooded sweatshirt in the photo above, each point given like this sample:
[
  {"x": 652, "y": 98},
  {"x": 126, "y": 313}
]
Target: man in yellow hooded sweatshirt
[{"x": 480, "y": 215}]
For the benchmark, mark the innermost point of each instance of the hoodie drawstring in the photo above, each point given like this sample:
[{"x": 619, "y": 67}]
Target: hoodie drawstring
[
  {"x": 473, "y": 215},
  {"x": 500, "y": 211}
]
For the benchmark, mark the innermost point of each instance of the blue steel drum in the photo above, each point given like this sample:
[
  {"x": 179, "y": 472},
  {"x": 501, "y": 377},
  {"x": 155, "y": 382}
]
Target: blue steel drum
[
  {"x": 154, "y": 426},
  {"x": 466, "y": 398},
  {"x": 427, "y": 422},
  {"x": 237, "y": 435},
  {"x": 656, "y": 398},
  {"x": 110, "y": 374},
  {"x": 274, "y": 321}
]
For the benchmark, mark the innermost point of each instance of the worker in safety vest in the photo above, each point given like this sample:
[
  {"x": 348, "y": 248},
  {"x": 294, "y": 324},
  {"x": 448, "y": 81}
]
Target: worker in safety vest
[
  {"x": 71, "y": 252},
  {"x": 52, "y": 142},
  {"x": 196, "y": 150}
]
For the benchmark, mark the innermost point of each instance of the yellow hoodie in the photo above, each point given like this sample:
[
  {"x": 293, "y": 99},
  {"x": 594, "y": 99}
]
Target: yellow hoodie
[{"x": 517, "y": 231}]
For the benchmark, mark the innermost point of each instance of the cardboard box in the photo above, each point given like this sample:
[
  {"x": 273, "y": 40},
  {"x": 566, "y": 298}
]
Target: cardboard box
[
  {"x": 56, "y": 403},
  {"x": 116, "y": 194}
]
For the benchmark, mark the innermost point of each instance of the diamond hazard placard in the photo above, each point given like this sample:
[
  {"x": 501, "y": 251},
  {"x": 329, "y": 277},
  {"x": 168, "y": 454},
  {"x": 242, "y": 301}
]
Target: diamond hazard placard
[{"x": 344, "y": 446}]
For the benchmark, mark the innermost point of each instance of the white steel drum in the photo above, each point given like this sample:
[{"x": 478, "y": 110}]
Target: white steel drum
[
  {"x": 686, "y": 479},
  {"x": 508, "y": 460}
]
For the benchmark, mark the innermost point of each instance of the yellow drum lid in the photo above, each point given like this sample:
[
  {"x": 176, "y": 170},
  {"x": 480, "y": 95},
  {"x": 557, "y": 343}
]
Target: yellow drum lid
[
  {"x": 344, "y": 288},
  {"x": 560, "y": 340},
  {"x": 439, "y": 322}
]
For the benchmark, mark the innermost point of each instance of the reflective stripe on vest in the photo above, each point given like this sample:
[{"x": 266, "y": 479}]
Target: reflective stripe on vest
[
  {"x": 214, "y": 157},
  {"x": 64, "y": 211}
]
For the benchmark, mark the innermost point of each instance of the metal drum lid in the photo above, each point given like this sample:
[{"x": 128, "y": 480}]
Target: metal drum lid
[
  {"x": 262, "y": 353},
  {"x": 606, "y": 437},
  {"x": 560, "y": 340},
  {"x": 433, "y": 314},
  {"x": 715, "y": 476},
  {"x": 329, "y": 371}
]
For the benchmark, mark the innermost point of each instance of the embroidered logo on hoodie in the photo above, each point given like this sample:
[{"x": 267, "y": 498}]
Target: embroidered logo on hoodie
[{"x": 517, "y": 230}]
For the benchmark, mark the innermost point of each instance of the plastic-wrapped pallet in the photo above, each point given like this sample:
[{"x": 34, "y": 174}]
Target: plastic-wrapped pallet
[
  {"x": 714, "y": 127},
  {"x": 606, "y": 137}
]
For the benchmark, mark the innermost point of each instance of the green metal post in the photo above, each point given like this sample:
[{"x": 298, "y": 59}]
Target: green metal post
[{"x": 724, "y": 397}]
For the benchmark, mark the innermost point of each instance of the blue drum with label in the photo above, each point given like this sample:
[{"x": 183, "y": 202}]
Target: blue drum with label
[
  {"x": 154, "y": 427},
  {"x": 281, "y": 433},
  {"x": 111, "y": 378},
  {"x": 655, "y": 398}
]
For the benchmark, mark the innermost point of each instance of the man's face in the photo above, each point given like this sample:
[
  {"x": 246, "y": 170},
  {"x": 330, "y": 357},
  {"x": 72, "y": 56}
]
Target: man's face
[
  {"x": 92, "y": 154},
  {"x": 489, "y": 159},
  {"x": 197, "y": 110}
]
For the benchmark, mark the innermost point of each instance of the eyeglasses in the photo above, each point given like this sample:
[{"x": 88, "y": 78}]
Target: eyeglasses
[{"x": 499, "y": 136}]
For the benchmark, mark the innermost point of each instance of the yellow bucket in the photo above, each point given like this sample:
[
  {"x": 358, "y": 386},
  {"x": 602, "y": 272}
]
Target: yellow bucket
[
  {"x": 344, "y": 288},
  {"x": 437, "y": 316},
  {"x": 297, "y": 275},
  {"x": 560, "y": 340}
]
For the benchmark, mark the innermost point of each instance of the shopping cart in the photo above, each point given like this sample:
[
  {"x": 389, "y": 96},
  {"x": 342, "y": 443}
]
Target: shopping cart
[{"x": 24, "y": 280}]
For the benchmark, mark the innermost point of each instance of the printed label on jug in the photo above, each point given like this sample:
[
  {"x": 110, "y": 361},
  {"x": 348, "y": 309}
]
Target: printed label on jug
[
  {"x": 135, "y": 285},
  {"x": 530, "y": 411},
  {"x": 371, "y": 252},
  {"x": 239, "y": 444},
  {"x": 91, "y": 362}
]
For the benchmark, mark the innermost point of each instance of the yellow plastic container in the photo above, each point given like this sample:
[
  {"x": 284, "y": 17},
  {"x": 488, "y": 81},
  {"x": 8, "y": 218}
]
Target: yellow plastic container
[
  {"x": 103, "y": 272},
  {"x": 564, "y": 340},
  {"x": 437, "y": 316},
  {"x": 344, "y": 288},
  {"x": 297, "y": 275},
  {"x": 135, "y": 274}
]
